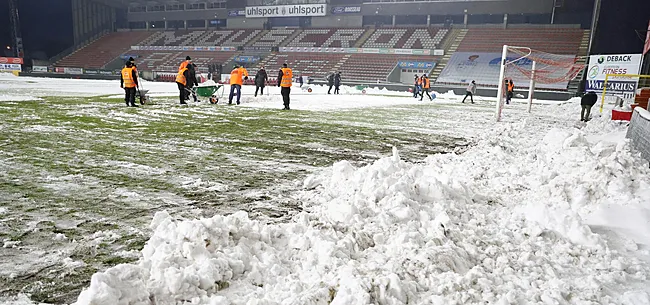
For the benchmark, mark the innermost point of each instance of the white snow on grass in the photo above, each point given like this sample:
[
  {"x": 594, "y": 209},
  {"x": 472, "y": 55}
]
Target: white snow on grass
[{"x": 503, "y": 223}]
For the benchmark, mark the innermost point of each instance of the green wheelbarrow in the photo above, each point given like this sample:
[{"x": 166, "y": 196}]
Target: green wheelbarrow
[{"x": 209, "y": 92}]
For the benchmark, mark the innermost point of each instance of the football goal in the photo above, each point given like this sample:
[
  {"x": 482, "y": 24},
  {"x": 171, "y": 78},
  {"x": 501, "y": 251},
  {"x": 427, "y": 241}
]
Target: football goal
[{"x": 526, "y": 67}]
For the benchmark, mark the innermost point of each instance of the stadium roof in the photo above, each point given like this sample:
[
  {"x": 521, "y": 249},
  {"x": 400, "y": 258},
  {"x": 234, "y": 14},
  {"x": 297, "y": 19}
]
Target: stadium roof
[{"x": 127, "y": 3}]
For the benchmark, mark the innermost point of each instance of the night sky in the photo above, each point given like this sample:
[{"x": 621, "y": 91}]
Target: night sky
[{"x": 47, "y": 26}]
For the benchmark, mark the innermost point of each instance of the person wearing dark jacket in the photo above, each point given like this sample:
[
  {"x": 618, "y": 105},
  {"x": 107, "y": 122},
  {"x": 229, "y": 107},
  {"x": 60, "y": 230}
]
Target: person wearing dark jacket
[
  {"x": 300, "y": 81},
  {"x": 129, "y": 81},
  {"x": 191, "y": 81},
  {"x": 337, "y": 82},
  {"x": 587, "y": 101},
  {"x": 330, "y": 82},
  {"x": 260, "y": 80}
]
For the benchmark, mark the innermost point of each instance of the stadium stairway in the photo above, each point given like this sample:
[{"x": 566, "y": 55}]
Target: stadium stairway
[
  {"x": 455, "y": 37},
  {"x": 582, "y": 52},
  {"x": 364, "y": 37}
]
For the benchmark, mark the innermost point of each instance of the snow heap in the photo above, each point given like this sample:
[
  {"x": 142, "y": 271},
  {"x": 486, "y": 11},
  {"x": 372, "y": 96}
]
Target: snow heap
[{"x": 499, "y": 224}]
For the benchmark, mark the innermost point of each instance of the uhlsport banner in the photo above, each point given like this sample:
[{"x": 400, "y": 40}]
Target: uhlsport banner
[
  {"x": 298, "y": 10},
  {"x": 602, "y": 65}
]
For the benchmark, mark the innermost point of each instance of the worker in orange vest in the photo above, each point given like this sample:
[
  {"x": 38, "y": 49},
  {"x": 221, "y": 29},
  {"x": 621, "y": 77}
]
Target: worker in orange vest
[
  {"x": 511, "y": 91},
  {"x": 184, "y": 80},
  {"x": 129, "y": 81},
  {"x": 184, "y": 64},
  {"x": 237, "y": 77},
  {"x": 284, "y": 80},
  {"x": 426, "y": 85}
]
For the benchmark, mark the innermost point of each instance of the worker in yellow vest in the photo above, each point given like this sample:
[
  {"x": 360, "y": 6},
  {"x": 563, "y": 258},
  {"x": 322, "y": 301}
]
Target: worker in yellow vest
[
  {"x": 184, "y": 64},
  {"x": 129, "y": 81},
  {"x": 284, "y": 81}
]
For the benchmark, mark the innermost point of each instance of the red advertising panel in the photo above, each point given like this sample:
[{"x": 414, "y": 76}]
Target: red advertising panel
[
  {"x": 11, "y": 60},
  {"x": 647, "y": 41}
]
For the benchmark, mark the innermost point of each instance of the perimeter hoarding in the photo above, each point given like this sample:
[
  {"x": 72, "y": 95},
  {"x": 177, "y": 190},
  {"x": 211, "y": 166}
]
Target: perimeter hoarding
[
  {"x": 601, "y": 65},
  {"x": 298, "y": 10}
]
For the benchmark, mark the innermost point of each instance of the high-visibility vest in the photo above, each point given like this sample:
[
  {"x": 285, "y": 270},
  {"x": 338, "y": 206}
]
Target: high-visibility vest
[
  {"x": 183, "y": 65},
  {"x": 127, "y": 77},
  {"x": 180, "y": 77},
  {"x": 511, "y": 87},
  {"x": 287, "y": 76},
  {"x": 427, "y": 83}
]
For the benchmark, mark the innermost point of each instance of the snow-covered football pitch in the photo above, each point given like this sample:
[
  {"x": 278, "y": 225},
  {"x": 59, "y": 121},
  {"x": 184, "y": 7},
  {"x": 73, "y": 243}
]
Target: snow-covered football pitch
[{"x": 372, "y": 198}]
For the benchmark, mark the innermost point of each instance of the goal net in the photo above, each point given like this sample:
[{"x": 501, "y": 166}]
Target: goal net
[{"x": 533, "y": 69}]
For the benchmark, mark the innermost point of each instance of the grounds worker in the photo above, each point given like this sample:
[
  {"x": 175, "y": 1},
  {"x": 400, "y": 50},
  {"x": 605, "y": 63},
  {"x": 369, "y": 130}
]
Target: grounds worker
[
  {"x": 184, "y": 64},
  {"x": 260, "y": 80},
  {"x": 330, "y": 82},
  {"x": 426, "y": 85},
  {"x": 587, "y": 101},
  {"x": 237, "y": 77},
  {"x": 129, "y": 81},
  {"x": 284, "y": 80},
  {"x": 337, "y": 82},
  {"x": 184, "y": 80},
  {"x": 471, "y": 90}
]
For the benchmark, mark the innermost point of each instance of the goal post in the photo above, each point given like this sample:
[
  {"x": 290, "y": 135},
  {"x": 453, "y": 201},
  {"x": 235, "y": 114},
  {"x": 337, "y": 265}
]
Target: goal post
[
  {"x": 609, "y": 77},
  {"x": 540, "y": 69}
]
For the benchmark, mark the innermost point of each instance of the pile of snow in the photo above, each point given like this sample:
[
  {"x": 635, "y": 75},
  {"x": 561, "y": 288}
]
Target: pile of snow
[{"x": 500, "y": 224}]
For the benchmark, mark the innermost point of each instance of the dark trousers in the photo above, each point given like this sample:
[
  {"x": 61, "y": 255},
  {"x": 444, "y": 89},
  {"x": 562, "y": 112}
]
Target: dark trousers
[
  {"x": 416, "y": 91},
  {"x": 232, "y": 93},
  {"x": 336, "y": 89},
  {"x": 425, "y": 90},
  {"x": 509, "y": 96},
  {"x": 330, "y": 89},
  {"x": 586, "y": 111},
  {"x": 286, "y": 91},
  {"x": 471, "y": 96},
  {"x": 258, "y": 88},
  {"x": 182, "y": 93},
  {"x": 129, "y": 96}
]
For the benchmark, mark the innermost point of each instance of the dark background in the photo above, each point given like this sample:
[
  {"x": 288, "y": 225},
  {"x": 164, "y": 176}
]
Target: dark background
[{"x": 47, "y": 25}]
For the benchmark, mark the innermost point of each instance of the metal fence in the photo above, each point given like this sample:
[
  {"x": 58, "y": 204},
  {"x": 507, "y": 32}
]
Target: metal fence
[{"x": 639, "y": 132}]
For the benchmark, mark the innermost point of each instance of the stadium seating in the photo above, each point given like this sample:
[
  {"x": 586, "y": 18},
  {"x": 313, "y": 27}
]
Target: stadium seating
[
  {"x": 554, "y": 40},
  {"x": 406, "y": 38},
  {"x": 226, "y": 38},
  {"x": 376, "y": 67},
  {"x": 316, "y": 65},
  {"x": 168, "y": 61},
  {"x": 327, "y": 38},
  {"x": 103, "y": 50},
  {"x": 273, "y": 38}
]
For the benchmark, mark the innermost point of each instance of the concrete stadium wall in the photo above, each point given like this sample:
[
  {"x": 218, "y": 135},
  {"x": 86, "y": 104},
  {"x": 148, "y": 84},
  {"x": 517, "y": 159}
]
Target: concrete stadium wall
[
  {"x": 459, "y": 7},
  {"x": 246, "y": 23},
  {"x": 339, "y": 21},
  {"x": 639, "y": 132},
  {"x": 499, "y": 7}
]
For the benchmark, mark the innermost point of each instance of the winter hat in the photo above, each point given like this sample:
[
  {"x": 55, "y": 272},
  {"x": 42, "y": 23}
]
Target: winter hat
[
  {"x": 188, "y": 58},
  {"x": 128, "y": 63},
  {"x": 131, "y": 59},
  {"x": 284, "y": 65},
  {"x": 473, "y": 82}
]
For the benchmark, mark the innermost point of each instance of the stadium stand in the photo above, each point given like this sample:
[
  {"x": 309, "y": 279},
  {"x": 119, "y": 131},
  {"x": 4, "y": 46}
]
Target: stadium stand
[
  {"x": 273, "y": 38},
  {"x": 103, "y": 50},
  {"x": 229, "y": 38},
  {"x": 375, "y": 67},
  {"x": 168, "y": 61},
  {"x": 552, "y": 40},
  {"x": 311, "y": 64},
  {"x": 327, "y": 38},
  {"x": 406, "y": 38}
]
